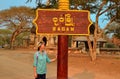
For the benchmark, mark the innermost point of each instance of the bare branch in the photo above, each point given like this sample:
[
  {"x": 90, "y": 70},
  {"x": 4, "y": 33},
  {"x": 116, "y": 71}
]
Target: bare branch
[
  {"x": 101, "y": 6},
  {"x": 11, "y": 23},
  {"x": 28, "y": 1},
  {"x": 96, "y": 20},
  {"x": 107, "y": 25},
  {"x": 97, "y": 17},
  {"x": 48, "y": 2},
  {"x": 108, "y": 9},
  {"x": 26, "y": 30}
]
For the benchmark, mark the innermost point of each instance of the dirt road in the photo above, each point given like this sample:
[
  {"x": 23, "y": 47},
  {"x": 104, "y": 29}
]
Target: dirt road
[{"x": 17, "y": 64}]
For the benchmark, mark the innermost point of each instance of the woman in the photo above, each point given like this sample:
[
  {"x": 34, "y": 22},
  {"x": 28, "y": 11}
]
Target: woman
[{"x": 40, "y": 60}]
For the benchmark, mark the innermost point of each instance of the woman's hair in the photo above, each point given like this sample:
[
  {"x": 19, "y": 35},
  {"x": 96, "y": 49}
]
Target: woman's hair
[
  {"x": 40, "y": 45},
  {"x": 44, "y": 40},
  {"x": 38, "y": 48}
]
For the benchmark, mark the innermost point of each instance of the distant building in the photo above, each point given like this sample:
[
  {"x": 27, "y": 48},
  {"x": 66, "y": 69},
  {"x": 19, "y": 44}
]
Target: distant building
[{"x": 81, "y": 42}]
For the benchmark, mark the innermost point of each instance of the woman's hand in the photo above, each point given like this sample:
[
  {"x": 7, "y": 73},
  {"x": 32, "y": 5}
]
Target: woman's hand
[
  {"x": 35, "y": 75},
  {"x": 52, "y": 60}
]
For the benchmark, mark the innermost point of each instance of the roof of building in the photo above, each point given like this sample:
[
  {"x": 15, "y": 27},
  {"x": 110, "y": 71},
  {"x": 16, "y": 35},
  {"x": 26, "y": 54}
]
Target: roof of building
[{"x": 84, "y": 38}]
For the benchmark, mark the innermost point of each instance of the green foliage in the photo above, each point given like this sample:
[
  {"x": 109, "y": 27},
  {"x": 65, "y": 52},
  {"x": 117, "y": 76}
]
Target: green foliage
[
  {"x": 21, "y": 37},
  {"x": 1, "y": 41},
  {"x": 15, "y": 16},
  {"x": 115, "y": 4},
  {"x": 94, "y": 5},
  {"x": 91, "y": 5},
  {"x": 114, "y": 29},
  {"x": 5, "y": 31},
  {"x": 117, "y": 33},
  {"x": 17, "y": 20},
  {"x": 49, "y": 4},
  {"x": 110, "y": 45},
  {"x": 5, "y": 36}
]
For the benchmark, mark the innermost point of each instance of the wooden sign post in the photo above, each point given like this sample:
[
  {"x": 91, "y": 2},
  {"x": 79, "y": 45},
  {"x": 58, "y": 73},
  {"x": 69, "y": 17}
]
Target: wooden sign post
[
  {"x": 62, "y": 63},
  {"x": 62, "y": 22}
]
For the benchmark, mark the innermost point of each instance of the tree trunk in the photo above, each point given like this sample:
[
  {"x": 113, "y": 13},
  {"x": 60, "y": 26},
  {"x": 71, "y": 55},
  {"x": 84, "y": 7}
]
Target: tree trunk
[
  {"x": 94, "y": 48},
  {"x": 90, "y": 49},
  {"x": 12, "y": 41},
  {"x": 17, "y": 32}
]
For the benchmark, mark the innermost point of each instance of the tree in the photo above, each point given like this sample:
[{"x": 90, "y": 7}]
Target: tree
[
  {"x": 99, "y": 7},
  {"x": 22, "y": 36},
  {"x": 114, "y": 11},
  {"x": 5, "y": 36},
  {"x": 116, "y": 41},
  {"x": 48, "y": 4},
  {"x": 113, "y": 30},
  {"x": 18, "y": 20},
  {"x": 100, "y": 11},
  {"x": 90, "y": 5}
]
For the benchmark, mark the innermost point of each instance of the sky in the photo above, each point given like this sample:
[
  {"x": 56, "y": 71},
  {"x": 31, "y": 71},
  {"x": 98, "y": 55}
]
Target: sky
[{"x": 6, "y": 4}]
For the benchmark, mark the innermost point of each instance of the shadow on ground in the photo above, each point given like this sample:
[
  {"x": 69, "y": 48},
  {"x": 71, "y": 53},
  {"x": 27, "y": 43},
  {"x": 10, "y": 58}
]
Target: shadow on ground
[{"x": 84, "y": 75}]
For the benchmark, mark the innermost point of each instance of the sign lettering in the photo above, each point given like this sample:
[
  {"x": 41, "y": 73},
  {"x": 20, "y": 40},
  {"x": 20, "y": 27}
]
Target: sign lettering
[{"x": 60, "y": 22}]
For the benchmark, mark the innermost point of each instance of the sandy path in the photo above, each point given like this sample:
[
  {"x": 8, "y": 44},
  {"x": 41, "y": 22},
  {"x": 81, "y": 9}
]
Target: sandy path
[
  {"x": 12, "y": 69},
  {"x": 17, "y": 64}
]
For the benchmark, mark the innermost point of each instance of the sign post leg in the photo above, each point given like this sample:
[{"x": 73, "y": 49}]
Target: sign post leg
[{"x": 62, "y": 63}]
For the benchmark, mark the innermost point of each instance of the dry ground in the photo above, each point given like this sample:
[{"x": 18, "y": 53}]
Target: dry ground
[{"x": 17, "y": 64}]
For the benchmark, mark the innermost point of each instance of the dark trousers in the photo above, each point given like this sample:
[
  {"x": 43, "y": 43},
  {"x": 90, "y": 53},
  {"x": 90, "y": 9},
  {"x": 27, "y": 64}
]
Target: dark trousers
[{"x": 41, "y": 76}]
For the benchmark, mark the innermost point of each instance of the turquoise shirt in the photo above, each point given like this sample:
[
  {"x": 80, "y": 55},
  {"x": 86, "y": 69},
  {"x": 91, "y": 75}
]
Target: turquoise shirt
[{"x": 40, "y": 62}]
